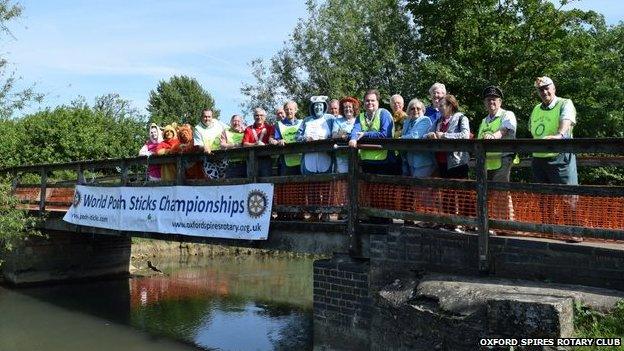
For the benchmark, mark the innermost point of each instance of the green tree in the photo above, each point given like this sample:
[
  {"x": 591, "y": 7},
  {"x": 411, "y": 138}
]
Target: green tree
[
  {"x": 469, "y": 44},
  {"x": 15, "y": 223},
  {"x": 342, "y": 47},
  {"x": 79, "y": 132},
  {"x": 11, "y": 99},
  {"x": 181, "y": 100},
  {"x": 114, "y": 106}
]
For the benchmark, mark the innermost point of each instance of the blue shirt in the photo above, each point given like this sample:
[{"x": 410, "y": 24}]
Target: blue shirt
[
  {"x": 433, "y": 113},
  {"x": 417, "y": 129}
]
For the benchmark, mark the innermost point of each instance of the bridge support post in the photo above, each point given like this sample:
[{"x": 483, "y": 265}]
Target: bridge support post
[
  {"x": 355, "y": 241},
  {"x": 66, "y": 256},
  {"x": 482, "y": 209},
  {"x": 342, "y": 303}
]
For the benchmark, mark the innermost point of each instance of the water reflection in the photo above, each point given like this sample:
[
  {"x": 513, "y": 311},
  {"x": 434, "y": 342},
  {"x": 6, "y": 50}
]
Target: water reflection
[{"x": 226, "y": 304}]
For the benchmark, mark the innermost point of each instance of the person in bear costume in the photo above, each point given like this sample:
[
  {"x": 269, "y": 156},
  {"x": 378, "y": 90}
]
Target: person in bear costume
[{"x": 193, "y": 169}]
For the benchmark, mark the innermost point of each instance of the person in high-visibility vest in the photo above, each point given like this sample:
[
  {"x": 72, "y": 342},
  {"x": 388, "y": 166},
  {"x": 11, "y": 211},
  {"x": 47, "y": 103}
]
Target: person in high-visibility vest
[
  {"x": 232, "y": 137},
  {"x": 373, "y": 123},
  {"x": 317, "y": 126},
  {"x": 553, "y": 118},
  {"x": 285, "y": 132},
  {"x": 498, "y": 124},
  {"x": 207, "y": 137},
  {"x": 207, "y": 133}
]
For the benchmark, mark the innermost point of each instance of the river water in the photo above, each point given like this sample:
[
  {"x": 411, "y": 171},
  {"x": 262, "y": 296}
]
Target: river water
[{"x": 200, "y": 303}]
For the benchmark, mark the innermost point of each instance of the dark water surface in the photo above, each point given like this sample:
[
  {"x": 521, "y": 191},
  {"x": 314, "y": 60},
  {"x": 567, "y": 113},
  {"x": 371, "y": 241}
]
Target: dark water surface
[{"x": 247, "y": 303}]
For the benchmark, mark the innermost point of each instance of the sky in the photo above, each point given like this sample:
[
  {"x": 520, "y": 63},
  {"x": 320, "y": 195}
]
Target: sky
[{"x": 71, "y": 48}]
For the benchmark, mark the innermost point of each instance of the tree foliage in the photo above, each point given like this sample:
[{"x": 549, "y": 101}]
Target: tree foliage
[
  {"x": 343, "y": 47},
  {"x": 469, "y": 44},
  {"x": 180, "y": 99},
  {"x": 11, "y": 98},
  {"x": 15, "y": 224},
  {"x": 75, "y": 132}
]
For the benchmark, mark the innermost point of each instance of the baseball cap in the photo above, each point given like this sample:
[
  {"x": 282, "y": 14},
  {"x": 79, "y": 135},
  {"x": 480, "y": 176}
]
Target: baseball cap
[
  {"x": 492, "y": 91},
  {"x": 542, "y": 82}
]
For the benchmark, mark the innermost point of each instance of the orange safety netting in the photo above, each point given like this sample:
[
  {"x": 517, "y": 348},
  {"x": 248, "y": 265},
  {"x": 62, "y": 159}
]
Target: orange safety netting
[
  {"x": 333, "y": 193},
  {"x": 55, "y": 195},
  {"x": 574, "y": 210},
  {"x": 418, "y": 199}
]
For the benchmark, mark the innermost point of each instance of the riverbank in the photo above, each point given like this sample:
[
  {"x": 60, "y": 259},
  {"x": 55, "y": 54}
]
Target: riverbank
[{"x": 147, "y": 248}]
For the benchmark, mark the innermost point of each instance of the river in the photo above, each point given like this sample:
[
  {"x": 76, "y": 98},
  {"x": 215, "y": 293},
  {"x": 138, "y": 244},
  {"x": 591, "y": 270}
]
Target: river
[{"x": 199, "y": 303}]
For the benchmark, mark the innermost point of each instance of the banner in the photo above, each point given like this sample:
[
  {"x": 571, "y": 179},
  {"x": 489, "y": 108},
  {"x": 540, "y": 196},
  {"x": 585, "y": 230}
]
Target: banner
[{"x": 232, "y": 211}]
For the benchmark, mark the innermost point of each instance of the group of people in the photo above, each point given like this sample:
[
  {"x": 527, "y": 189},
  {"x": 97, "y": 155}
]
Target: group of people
[{"x": 553, "y": 118}]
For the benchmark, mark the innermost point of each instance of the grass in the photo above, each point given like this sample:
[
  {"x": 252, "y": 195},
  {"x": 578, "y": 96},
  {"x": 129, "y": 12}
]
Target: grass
[{"x": 589, "y": 323}]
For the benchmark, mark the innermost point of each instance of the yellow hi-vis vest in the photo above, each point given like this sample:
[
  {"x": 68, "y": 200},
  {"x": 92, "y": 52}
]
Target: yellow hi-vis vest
[
  {"x": 288, "y": 134},
  {"x": 374, "y": 126},
  {"x": 545, "y": 122},
  {"x": 212, "y": 136},
  {"x": 493, "y": 160},
  {"x": 235, "y": 138}
]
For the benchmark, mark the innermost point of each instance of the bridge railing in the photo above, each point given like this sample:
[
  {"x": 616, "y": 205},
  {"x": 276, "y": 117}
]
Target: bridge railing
[{"x": 590, "y": 211}]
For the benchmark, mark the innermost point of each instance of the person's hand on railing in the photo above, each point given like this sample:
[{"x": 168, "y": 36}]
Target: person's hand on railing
[
  {"x": 489, "y": 136},
  {"x": 353, "y": 143},
  {"x": 431, "y": 135}
]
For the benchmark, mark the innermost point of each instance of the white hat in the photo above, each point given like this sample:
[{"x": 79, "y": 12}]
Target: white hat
[
  {"x": 319, "y": 98},
  {"x": 542, "y": 82}
]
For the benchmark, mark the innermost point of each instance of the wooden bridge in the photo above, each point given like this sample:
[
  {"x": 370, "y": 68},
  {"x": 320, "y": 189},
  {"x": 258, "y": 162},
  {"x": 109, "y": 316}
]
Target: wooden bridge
[{"x": 337, "y": 206}]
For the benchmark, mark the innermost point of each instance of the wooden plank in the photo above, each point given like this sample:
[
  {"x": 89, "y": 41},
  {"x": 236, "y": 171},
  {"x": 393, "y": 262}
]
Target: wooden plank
[
  {"x": 416, "y": 216},
  {"x": 179, "y": 170},
  {"x": 217, "y": 182},
  {"x": 353, "y": 210},
  {"x": 482, "y": 209},
  {"x": 598, "y": 233},
  {"x": 42, "y": 194},
  {"x": 463, "y": 184},
  {"x": 311, "y": 178},
  {"x": 124, "y": 173},
  {"x": 252, "y": 166},
  {"x": 588, "y": 145},
  {"x": 309, "y": 208},
  {"x": 80, "y": 177},
  {"x": 560, "y": 189}
]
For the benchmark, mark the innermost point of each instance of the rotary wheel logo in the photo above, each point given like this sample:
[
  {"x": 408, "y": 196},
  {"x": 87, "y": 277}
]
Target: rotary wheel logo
[
  {"x": 77, "y": 197},
  {"x": 257, "y": 203}
]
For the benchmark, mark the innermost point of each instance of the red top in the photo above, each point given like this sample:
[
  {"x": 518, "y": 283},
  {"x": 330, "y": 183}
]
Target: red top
[{"x": 253, "y": 133}]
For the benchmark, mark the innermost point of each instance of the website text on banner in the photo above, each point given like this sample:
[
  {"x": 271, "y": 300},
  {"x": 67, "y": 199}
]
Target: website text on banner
[{"x": 234, "y": 212}]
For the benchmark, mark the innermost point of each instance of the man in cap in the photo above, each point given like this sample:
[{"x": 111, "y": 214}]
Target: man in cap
[
  {"x": 554, "y": 118},
  {"x": 498, "y": 124}
]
